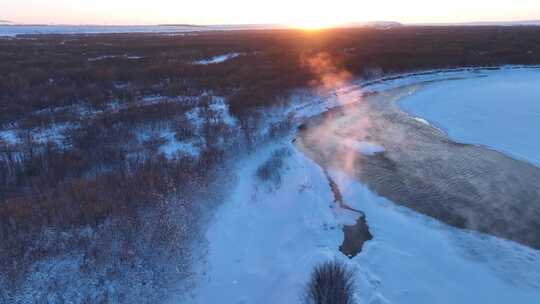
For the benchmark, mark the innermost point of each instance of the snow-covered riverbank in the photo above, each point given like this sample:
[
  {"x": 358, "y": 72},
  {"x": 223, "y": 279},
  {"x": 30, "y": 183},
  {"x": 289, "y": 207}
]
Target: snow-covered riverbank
[
  {"x": 266, "y": 238},
  {"x": 262, "y": 245}
]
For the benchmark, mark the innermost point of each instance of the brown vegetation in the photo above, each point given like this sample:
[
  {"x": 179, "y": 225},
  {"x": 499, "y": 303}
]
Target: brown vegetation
[{"x": 101, "y": 174}]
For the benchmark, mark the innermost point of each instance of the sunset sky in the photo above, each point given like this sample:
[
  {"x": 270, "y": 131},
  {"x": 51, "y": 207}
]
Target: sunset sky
[{"x": 302, "y": 12}]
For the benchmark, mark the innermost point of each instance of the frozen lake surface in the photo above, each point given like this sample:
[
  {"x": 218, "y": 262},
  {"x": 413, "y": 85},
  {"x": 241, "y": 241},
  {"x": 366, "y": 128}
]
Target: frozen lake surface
[
  {"x": 14, "y": 30},
  {"x": 500, "y": 110}
]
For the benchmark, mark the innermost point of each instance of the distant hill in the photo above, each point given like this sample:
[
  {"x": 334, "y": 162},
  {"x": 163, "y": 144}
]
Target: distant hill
[
  {"x": 376, "y": 24},
  {"x": 182, "y": 25},
  {"x": 509, "y": 23},
  {"x": 383, "y": 24},
  {"x": 6, "y": 22},
  {"x": 487, "y": 23}
]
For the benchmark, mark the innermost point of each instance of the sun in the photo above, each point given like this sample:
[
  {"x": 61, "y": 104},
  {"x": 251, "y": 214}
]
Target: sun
[{"x": 317, "y": 15}]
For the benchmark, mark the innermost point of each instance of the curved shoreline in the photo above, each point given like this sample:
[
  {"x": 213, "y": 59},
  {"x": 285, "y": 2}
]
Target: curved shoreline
[
  {"x": 466, "y": 186},
  {"x": 499, "y": 112},
  {"x": 444, "y": 72}
]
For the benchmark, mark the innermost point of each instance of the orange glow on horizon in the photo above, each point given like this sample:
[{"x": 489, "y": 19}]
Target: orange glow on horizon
[
  {"x": 302, "y": 14},
  {"x": 314, "y": 25}
]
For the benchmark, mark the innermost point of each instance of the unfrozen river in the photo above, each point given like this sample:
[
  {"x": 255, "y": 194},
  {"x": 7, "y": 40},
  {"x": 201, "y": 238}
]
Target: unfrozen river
[{"x": 264, "y": 241}]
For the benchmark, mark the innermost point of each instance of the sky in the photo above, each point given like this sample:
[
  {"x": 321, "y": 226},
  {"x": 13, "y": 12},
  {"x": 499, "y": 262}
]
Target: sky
[{"x": 300, "y": 12}]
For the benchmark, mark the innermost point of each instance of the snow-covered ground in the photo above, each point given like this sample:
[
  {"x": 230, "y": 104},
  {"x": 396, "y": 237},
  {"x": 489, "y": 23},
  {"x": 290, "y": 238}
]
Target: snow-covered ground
[
  {"x": 125, "y": 56},
  {"x": 264, "y": 240},
  {"x": 416, "y": 259},
  {"x": 217, "y": 59},
  {"x": 171, "y": 145},
  {"x": 53, "y": 133},
  {"x": 500, "y": 110},
  {"x": 9, "y": 137},
  {"x": 13, "y": 30},
  {"x": 264, "y": 243}
]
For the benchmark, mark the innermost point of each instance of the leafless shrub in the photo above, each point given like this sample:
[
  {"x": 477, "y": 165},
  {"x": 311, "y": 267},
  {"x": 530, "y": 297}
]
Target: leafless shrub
[
  {"x": 153, "y": 143},
  {"x": 183, "y": 129},
  {"x": 270, "y": 170},
  {"x": 280, "y": 128},
  {"x": 330, "y": 283}
]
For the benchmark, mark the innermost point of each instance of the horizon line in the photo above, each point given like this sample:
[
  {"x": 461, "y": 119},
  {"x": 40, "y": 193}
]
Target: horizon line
[{"x": 358, "y": 23}]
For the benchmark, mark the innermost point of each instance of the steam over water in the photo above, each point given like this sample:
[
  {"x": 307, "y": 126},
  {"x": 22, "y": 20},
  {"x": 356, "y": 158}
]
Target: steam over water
[
  {"x": 466, "y": 186},
  {"x": 264, "y": 245}
]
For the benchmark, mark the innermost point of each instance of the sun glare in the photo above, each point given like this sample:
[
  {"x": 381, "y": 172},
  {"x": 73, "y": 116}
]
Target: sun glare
[
  {"x": 314, "y": 25},
  {"x": 315, "y": 22}
]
